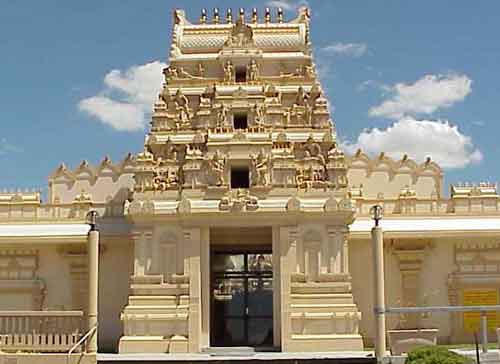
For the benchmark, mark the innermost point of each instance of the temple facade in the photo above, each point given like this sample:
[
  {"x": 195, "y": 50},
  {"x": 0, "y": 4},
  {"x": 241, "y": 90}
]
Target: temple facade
[{"x": 242, "y": 222}]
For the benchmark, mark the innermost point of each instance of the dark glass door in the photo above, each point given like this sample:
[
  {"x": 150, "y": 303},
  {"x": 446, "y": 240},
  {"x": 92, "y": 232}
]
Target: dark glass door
[{"x": 242, "y": 299}]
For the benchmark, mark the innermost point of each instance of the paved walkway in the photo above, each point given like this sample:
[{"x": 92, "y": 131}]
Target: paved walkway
[{"x": 346, "y": 357}]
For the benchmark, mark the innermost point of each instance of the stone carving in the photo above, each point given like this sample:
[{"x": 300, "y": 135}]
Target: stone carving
[
  {"x": 222, "y": 117},
  {"x": 309, "y": 72},
  {"x": 259, "y": 169},
  {"x": 165, "y": 95},
  {"x": 258, "y": 112},
  {"x": 293, "y": 204},
  {"x": 307, "y": 116},
  {"x": 273, "y": 95},
  {"x": 217, "y": 165},
  {"x": 252, "y": 71},
  {"x": 238, "y": 200},
  {"x": 241, "y": 36},
  {"x": 181, "y": 101},
  {"x": 201, "y": 70},
  {"x": 310, "y": 177},
  {"x": 301, "y": 98},
  {"x": 170, "y": 73},
  {"x": 206, "y": 98},
  {"x": 229, "y": 72},
  {"x": 165, "y": 180}
]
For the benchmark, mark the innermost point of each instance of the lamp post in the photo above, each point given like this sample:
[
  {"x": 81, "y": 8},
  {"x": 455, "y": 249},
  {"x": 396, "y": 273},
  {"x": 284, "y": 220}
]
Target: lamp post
[
  {"x": 93, "y": 274},
  {"x": 379, "y": 289}
]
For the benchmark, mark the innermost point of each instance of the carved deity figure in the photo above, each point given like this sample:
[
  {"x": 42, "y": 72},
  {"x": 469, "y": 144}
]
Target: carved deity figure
[
  {"x": 217, "y": 165},
  {"x": 169, "y": 151},
  {"x": 222, "y": 116},
  {"x": 182, "y": 103},
  {"x": 309, "y": 72},
  {"x": 170, "y": 72},
  {"x": 229, "y": 72},
  {"x": 165, "y": 96},
  {"x": 241, "y": 35},
  {"x": 201, "y": 70},
  {"x": 307, "y": 114},
  {"x": 252, "y": 71},
  {"x": 207, "y": 96},
  {"x": 259, "y": 169},
  {"x": 301, "y": 98},
  {"x": 258, "y": 111}
]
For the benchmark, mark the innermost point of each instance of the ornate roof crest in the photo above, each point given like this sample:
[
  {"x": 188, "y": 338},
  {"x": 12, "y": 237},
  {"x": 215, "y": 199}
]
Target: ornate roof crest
[{"x": 241, "y": 36}]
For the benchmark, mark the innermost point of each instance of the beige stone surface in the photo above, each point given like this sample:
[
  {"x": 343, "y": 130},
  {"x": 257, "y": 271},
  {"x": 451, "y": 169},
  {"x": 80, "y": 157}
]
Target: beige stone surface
[{"x": 244, "y": 96}]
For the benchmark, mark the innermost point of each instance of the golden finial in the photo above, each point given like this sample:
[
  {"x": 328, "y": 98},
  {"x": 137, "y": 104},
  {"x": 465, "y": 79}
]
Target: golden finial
[
  {"x": 280, "y": 15},
  {"x": 215, "y": 20},
  {"x": 254, "y": 16},
  {"x": 229, "y": 16},
  {"x": 203, "y": 16},
  {"x": 267, "y": 16},
  {"x": 242, "y": 15}
]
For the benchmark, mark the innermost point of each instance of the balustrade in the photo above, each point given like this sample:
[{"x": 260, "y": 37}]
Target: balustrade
[{"x": 40, "y": 331}]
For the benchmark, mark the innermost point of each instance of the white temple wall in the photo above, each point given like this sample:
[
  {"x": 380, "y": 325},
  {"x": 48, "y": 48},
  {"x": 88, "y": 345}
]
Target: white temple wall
[
  {"x": 116, "y": 267},
  {"x": 382, "y": 184},
  {"x": 57, "y": 278},
  {"x": 103, "y": 189}
]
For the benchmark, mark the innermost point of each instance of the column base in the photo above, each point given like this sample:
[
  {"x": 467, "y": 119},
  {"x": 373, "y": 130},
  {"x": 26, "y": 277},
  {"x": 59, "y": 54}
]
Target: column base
[
  {"x": 153, "y": 344},
  {"x": 325, "y": 343}
]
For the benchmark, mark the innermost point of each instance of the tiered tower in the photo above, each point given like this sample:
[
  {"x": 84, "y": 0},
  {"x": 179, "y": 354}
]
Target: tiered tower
[{"x": 240, "y": 136}]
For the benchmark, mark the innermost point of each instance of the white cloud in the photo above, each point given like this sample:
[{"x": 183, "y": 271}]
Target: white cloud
[
  {"x": 347, "y": 49},
  {"x": 287, "y": 4},
  {"x": 440, "y": 140},
  {"x": 425, "y": 96},
  {"x": 127, "y": 99},
  {"x": 8, "y": 148}
]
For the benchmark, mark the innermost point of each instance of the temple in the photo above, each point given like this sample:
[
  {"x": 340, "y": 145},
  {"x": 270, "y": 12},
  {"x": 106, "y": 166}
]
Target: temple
[{"x": 242, "y": 222}]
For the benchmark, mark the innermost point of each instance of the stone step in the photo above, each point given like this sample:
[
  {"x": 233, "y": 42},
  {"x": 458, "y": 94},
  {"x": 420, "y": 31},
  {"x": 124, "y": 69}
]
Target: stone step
[{"x": 229, "y": 351}]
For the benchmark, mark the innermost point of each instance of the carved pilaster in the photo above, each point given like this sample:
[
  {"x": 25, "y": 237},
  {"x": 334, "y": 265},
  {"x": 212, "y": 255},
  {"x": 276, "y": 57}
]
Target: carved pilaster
[
  {"x": 142, "y": 252},
  {"x": 410, "y": 257},
  {"x": 76, "y": 257}
]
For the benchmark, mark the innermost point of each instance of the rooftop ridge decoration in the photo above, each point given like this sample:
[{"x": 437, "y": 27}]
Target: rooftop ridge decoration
[
  {"x": 94, "y": 171},
  {"x": 405, "y": 164},
  {"x": 211, "y": 34},
  {"x": 482, "y": 189}
]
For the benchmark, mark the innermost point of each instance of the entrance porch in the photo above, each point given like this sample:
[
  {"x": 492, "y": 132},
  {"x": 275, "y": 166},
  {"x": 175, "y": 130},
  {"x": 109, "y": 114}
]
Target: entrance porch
[{"x": 269, "y": 287}]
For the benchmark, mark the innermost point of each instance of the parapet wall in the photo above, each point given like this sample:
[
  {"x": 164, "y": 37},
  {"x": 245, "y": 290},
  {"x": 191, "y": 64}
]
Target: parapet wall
[
  {"x": 385, "y": 178},
  {"x": 104, "y": 183}
]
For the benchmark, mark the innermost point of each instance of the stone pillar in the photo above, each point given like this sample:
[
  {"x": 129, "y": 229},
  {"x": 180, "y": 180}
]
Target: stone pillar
[
  {"x": 142, "y": 252},
  {"x": 379, "y": 289},
  {"x": 192, "y": 244},
  {"x": 287, "y": 253},
  {"x": 277, "y": 287},
  {"x": 205, "y": 287},
  {"x": 339, "y": 256},
  {"x": 93, "y": 274}
]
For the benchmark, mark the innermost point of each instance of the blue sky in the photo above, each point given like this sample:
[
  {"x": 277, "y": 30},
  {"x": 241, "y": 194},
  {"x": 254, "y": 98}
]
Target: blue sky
[{"x": 424, "y": 74}]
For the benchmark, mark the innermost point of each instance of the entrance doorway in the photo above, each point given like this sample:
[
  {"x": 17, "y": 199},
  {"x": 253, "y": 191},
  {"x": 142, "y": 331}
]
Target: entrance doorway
[{"x": 242, "y": 297}]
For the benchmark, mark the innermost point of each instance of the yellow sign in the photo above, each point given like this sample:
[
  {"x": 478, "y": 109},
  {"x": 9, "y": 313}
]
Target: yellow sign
[{"x": 480, "y": 297}]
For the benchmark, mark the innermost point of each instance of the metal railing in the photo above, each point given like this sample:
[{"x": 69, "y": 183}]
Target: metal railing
[
  {"x": 81, "y": 342},
  {"x": 39, "y": 331},
  {"x": 481, "y": 309}
]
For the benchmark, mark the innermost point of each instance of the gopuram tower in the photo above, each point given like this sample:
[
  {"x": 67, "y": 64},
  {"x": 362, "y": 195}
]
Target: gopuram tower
[{"x": 240, "y": 209}]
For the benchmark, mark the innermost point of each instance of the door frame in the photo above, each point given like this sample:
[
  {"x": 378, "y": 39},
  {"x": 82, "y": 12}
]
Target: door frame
[{"x": 239, "y": 249}]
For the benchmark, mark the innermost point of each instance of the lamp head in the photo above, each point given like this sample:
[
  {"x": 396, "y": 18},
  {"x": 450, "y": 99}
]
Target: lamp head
[
  {"x": 377, "y": 213},
  {"x": 91, "y": 219}
]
